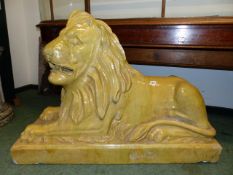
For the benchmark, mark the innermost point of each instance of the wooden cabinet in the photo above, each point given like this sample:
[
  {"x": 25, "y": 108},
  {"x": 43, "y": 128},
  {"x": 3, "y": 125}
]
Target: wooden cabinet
[{"x": 182, "y": 42}]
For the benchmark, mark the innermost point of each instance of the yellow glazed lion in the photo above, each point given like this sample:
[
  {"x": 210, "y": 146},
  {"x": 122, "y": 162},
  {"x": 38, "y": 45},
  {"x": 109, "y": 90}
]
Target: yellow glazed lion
[{"x": 105, "y": 100}]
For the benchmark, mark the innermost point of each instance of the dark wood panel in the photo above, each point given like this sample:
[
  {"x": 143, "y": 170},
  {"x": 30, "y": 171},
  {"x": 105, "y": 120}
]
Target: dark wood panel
[
  {"x": 204, "y": 36},
  {"x": 171, "y": 21},
  {"x": 163, "y": 8},
  {"x": 220, "y": 59},
  {"x": 88, "y": 6},
  {"x": 210, "y": 36},
  {"x": 48, "y": 33},
  {"x": 155, "y": 21},
  {"x": 190, "y": 36},
  {"x": 189, "y": 42}
]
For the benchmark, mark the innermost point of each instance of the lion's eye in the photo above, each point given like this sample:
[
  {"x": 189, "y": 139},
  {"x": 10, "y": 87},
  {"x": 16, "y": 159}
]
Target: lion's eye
[{"x": 74, "y": 40}]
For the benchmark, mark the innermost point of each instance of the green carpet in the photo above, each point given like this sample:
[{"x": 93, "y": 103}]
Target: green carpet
[{"x": 33, "y": 104}]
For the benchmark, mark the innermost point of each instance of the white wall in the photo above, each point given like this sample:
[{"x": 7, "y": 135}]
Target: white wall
[
  {"x": 22, "y": 16},
  {"x": 184, "y": 8},
  {"x": 126, "y": 8},
  {"x": 33, "y": 33}
]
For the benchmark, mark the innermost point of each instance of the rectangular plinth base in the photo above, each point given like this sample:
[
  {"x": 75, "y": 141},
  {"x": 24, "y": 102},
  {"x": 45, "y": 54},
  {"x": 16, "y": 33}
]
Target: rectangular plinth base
[{"x": 115, "y": 153}]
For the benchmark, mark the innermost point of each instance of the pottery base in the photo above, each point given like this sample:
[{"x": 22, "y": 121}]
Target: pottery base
[{"x": 115, "y": 153}]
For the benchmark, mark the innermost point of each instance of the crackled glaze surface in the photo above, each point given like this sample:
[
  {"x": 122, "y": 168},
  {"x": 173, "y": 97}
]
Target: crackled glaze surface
[{"x": 106, "y": 101}]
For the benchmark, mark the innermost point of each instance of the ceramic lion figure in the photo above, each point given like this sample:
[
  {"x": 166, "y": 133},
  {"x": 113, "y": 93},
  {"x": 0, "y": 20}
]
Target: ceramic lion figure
[{"x": 104, "y": 99}]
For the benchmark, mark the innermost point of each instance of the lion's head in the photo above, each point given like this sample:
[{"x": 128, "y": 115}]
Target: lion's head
[{"x": 89, "y": 62}]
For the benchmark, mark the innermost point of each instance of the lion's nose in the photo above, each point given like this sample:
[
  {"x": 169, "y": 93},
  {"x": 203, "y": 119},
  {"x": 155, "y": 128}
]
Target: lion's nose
[
  {"x": 48, "y": 52},
  {"x": 54, "y": 50}
]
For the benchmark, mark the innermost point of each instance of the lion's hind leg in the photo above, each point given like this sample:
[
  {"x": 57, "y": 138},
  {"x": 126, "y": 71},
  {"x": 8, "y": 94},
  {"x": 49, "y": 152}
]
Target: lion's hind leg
[{"x": 190, "y": 106}]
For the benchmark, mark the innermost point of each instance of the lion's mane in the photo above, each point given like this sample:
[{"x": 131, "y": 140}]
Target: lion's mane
[{"x": 106, "y": 79}]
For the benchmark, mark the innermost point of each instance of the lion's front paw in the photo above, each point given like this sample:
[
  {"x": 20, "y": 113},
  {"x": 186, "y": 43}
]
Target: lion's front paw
[
  {"x": 37, "y": 130},
  {"x": 33, "y": 129},
  {"x": 33, "y": 134},
  {"x": 49, "y": 113}
]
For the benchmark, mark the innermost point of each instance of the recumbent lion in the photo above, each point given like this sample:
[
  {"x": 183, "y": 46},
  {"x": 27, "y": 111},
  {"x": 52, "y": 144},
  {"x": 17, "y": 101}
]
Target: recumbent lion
[{"x": 105, "y": 100}]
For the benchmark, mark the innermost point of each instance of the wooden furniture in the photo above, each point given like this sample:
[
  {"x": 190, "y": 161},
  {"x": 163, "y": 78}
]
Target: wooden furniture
[{"x": 182, "y": 42}]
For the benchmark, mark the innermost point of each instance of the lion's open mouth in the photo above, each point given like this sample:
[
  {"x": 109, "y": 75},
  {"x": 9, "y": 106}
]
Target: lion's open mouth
[{"x": 64, "y": 69}]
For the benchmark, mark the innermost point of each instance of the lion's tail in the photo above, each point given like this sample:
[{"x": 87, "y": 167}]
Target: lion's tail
[{"x": 141, "y": 131}]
